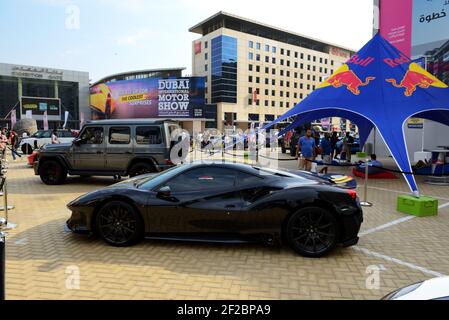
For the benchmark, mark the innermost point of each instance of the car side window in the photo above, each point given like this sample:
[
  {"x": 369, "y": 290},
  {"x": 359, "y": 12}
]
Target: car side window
[
  {"x": 203, "y": 179},
  {"x": 246, "y": 178},
  {"x": 148, "y": 135},
  {"x": 92, "y": 135},
  {"x": 46, "y": 134},
  {"x": 119, "y": 135}
]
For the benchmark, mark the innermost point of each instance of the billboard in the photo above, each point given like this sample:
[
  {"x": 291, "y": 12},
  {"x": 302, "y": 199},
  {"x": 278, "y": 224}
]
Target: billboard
[
  {"x": 149, "y": 98},
  {"x": 420, "y": 29},
  {"x": 38, "y": 106}
]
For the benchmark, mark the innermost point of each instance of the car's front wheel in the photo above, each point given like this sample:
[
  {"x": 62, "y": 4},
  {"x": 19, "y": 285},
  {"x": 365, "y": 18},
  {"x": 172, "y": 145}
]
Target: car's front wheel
[
  {"x": 312, "y": 232},
  {"x": 119, "y": 224},
  {"x": 52, "y": 172},
  {"x": 27, "y": 149}
]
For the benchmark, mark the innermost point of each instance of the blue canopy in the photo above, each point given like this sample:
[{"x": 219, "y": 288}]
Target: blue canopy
[{"x": 378, "y": 86}]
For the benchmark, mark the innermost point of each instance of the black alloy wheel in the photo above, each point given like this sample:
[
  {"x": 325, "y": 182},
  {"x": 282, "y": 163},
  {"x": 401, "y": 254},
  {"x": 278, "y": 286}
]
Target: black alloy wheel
[
  {"x": 312, "y": 232},
  {"x": 140, "y": 168},
  {"x": 118, "y": 224},
  {"x": 52, "y": 172}
]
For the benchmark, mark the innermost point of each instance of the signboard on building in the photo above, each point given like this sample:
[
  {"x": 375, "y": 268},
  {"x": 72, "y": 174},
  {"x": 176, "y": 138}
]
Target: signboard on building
[
  {"x": 419, "y": 28},
  {"x": 149, "y": 98},
  {"x": 36, "y": 73},
  {"x": 339, "y": 52},
  {"x": 38, "y": 106}
]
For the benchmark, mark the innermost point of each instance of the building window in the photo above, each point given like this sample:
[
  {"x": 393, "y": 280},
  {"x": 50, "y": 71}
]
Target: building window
[
  {"x": 282, "y": 73},
  {"x": 206, "y": 44},
  {"x": 281, "y": 104},
  {"x": 296, "y": 64},
  {"x": 308, "y": 67},
  {"x": 250, "y": 78},
  {"x": 282, "y": 83},
  {"x": 301, "y": 86},
  {"x": 250, "y": 101},
  {"x": 296, "y": 54},
  {"x": 266, "y": 81},
  {"x": 267, "y": 59},
  {"x": 296, "y": 75},
  {"x": 314, "y": 59},
  {"x": 288, "y": 84},
  {"x": 288, "y": 53},
  {"x": 288, "y": 105},
  {"x": 257, "y": 68},
  {"x": 273, "y": 71},
  {"x": 308, "y": 77},
  {"x": 296, "y": 85},
  {"x": 273, "y": 60},
  {"x": 301, "y": 95},
  {"x": 302, "y": 55},
  {"x": 273, "y": 103},
  {"x": 288, "y": 94},
  {"x": 301, "y": 76},
  {"x": 282, "y": 62},
  {"x": 313, "y": 68},
  {"x": 302, "y": 65},
  {"x": 332, "y": 62},
  {"x": 267, "y": 48},
  {"x": 257, "y": 80},
  {"x": 258, "y": 45},
  {"x": 273, "y": 49},
  {"x": 281, "y": 93},
  {"x": 273, "y": 93},
  {"x": 250, "y": 67},
  {"x": 288, "y": 63},
  {"x": 250, "y": 44},
  {"x": 314, "y": 78},
  {"x": 308, "y": 87},
  {"x": 308, "y": 57},
  {"x": 325, "y": 61},
  {"x": 267, "y": 92},
  {"x": 205, "y": 67},
  {"x": 273, "y": 82},
  {"x": 205, "y": 56},
  {"x": 282, "y": 51},
  {"x": 250, "y": 90},
  {"x": 257, "y": 57},
  {"x": 295, "y": 95},
  {"x": 321, "y": 60},
  {"x": 288, "y": 73},
  {"x": 250, "y": 56},
  {"x": 267, "y": 70}
]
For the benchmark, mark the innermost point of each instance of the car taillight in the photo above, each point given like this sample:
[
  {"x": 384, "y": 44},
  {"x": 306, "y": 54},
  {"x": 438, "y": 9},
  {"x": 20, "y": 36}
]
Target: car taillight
[{"x": 352, "y": 193}]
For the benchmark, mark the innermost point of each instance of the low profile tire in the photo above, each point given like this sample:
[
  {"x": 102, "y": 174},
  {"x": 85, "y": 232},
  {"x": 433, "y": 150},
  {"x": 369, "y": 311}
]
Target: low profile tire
[
  {"x": 27, "y": 149},
  {"x": 52, "y": 172},
  {"x": 140, "y": 168},
  {"x": 119, "y": 224},
  {"x": 312, "y": 232}
]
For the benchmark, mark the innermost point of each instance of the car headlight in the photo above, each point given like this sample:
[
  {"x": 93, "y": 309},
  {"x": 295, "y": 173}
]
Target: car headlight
[{"x": 402, "y": 292}]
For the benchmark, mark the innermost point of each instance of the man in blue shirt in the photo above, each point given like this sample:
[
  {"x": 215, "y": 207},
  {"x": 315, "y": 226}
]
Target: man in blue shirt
[
  {"x": 306, "y": 146},
  {"x": 326, "y": 152}
]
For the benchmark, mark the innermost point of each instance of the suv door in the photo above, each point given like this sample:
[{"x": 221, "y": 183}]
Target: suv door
[
  {"x": 149, "y": 142},
  {"x": 89, "y": 154},
  {"x": 119, "y": 149}
]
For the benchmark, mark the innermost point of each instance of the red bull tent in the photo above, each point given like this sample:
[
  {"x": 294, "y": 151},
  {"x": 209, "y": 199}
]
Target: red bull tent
[{"x": 378, "y": 86}]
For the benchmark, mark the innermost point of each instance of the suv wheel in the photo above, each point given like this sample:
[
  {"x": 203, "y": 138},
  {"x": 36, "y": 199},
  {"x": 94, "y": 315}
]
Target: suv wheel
[
  {"x": 27, "y": 149},
  {"x": 140, "y": 168},
  {"x": 119, "y": 224},
  {"x": 52, "y": 172},
  {"x": 312, "y": 232}
]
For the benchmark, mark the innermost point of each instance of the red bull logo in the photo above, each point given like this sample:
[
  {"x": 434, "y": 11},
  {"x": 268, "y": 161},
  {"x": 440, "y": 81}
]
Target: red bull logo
[
  {"x": 416, "y": 77},
  {"x": 343, "y": 76}
]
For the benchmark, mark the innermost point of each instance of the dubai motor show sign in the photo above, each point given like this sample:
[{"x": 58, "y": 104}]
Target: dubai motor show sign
[{"x": 149, "y": 98}]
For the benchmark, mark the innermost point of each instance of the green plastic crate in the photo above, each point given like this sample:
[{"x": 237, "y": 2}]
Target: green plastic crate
[
  {"x": 361, "y": 155},
  {"x": 420, "y": 207}
]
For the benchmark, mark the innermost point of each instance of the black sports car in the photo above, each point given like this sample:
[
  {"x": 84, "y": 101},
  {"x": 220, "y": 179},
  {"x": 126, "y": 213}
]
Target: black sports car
[{"x": 225, "y": 202}]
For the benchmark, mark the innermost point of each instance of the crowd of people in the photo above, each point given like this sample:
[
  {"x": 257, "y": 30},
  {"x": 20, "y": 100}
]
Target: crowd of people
[{"x": 11, "y": 138}]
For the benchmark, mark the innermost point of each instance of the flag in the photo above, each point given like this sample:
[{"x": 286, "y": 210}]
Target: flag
[
  {"x": 66, "y": 117},
  {"x": 254, "y": 96},
  {"x": 81, "y": 119},
  {"x": 13, "y": 118},
  {"x": 45, "y": 120},
  {"x": 29, "y": 114}
]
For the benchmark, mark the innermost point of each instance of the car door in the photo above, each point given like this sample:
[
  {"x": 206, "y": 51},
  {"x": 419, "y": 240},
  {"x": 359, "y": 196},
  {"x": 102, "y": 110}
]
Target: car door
[
  {"x": 119, "y": 148},
  {"x": 149, "y": 142},
  {"x": 202, "y": 200},
  {"x": 89, "y": 152},
  {"x": 44, "y": 139}
]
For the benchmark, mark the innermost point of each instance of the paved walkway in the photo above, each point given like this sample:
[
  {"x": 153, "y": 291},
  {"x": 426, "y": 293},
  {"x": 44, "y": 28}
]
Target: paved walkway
[{"x": 43, "y": 262}]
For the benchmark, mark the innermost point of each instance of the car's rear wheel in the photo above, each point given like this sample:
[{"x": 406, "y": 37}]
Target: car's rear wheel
[
  {"x": 27, "y": 149},
  {"x": 312, "y": 232},
  {"x": 52, "y": 172},
  {"x": 119, "y": 224},
  {"x": 140, "y": 168}
]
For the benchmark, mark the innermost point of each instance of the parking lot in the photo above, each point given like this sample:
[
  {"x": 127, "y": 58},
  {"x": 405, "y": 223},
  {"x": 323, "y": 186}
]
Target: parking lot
[{"x": 42, "y": 260}]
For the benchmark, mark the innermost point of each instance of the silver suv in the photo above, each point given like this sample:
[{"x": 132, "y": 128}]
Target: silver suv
[{"x": 109, "y": 148}]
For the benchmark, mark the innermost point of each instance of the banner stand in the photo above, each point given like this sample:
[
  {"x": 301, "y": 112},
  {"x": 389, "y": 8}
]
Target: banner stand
[{"x": 365, "y": 202}]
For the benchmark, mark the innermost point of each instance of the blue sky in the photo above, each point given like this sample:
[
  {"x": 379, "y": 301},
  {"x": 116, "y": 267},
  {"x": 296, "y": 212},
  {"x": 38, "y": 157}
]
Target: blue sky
[{"x": 117, "y": 35}]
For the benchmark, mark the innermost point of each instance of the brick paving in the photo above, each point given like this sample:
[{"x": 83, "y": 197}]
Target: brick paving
[{"x": 41, "y": 257}]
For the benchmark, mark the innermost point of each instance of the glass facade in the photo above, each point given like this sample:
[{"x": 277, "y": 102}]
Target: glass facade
[
  {"x": 224, "y": 69},
  {"x": 11, "y": 88}
]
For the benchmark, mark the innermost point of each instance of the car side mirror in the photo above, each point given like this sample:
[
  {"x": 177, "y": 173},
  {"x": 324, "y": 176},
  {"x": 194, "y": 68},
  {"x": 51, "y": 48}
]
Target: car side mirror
[{"x": 164, "y": 192}]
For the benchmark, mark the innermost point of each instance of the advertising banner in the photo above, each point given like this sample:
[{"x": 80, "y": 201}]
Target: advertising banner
[
  {"x": 148, "y": 98},
  {"x": 13, "y": 118},
  {"x": 45, "y": 119},
  {"x": 420, "y": 29},
  {"x": 39, "y": 105}
]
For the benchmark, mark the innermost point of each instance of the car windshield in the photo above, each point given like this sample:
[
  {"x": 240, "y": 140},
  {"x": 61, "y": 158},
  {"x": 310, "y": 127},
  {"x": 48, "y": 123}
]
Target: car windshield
[
  {"x": 153, "y": 181},
  {"x": 38, "y": 134}
]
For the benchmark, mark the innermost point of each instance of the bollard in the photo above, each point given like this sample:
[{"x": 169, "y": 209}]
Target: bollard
[
  {"x": 2, "y": 259},
  {"x": 365, "y": 202}
]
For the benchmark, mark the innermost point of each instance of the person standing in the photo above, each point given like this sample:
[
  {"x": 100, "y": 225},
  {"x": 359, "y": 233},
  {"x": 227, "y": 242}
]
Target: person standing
[
  {"x": 3, "y": 142},
  {"x": 306, "y": 146},
  {"x": 348, "y": 141},
  {"x": 326, "y": 149},
  {"x": 334, "y": 140},
  {"x": 14, "y": 139},
  {"x": 54, "y": 137}
]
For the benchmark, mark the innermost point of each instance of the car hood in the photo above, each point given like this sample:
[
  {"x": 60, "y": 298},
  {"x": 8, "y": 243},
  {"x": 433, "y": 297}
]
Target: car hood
[{"x": 59, "y": 147}]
